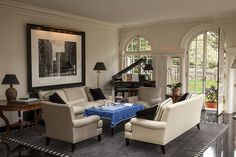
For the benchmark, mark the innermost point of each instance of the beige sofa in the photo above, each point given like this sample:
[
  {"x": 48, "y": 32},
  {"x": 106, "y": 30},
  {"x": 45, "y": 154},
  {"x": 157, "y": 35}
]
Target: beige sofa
[
  {"x": 62, "y": 124},
  {"x": 171, "y": 122},
  {"x": 147, "y": 96},
  {"x": 78, "y": 97}
]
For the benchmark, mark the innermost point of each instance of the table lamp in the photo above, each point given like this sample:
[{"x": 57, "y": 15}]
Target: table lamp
[
  {"x": 11, "y": 92},
  {"x": 148, "y": 67},
  {"x": 99, "y": 66}
]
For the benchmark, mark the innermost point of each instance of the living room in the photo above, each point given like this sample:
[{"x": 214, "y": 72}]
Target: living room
[{"x": 113, "y": 34}]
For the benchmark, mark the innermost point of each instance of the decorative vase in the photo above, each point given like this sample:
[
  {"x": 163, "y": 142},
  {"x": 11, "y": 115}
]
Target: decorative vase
[
  {"x": 211, "y": 105},
  {"x": 175, "y": 92}
]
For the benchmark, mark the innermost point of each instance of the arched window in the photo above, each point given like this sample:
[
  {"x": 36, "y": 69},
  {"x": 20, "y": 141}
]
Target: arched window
[{"x": 137, "y": 48}]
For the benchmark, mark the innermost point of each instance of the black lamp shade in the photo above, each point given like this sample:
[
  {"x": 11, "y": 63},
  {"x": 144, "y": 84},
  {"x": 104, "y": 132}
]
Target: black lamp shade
[
  {"x": 99, "y": 66},
  {"x": 148, "y": 67},
  {"x": 10, "y": 79}
]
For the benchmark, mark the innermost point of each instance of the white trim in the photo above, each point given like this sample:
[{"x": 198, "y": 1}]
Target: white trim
[{"x": 39, "y": 11}]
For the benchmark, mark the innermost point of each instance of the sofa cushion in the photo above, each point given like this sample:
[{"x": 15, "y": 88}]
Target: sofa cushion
[
  {"x": 77, "y": 110},
  {"x": 148, "y": 113},
  {"x": 148, "y": 93},
  {"x": 97, "y": 94},
  {"x": 73, "y": 94},
  {"x": 89, "y": 95},
  {"x": 55, "y": 98},
  {"x": 161, "y": 107},
  {"x": 87, "y": 104}
]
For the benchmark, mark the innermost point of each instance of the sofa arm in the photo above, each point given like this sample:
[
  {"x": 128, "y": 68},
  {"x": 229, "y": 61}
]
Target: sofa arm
[
  {"x": 132, "y": 99},
  {"x": 148, "y": 123},
  {"x": 77, "y": 123}
]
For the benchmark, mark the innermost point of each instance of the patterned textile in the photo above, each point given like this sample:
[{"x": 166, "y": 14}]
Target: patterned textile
[{"x": 116, "y": 113}]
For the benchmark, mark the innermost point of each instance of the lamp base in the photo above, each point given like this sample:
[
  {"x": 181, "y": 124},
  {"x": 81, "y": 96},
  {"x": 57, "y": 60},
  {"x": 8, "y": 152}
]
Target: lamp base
[{"x": 11, "y": 94}]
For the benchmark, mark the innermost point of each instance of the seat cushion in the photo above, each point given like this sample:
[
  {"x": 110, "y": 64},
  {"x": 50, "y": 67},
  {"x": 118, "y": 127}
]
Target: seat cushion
[
  {"x": 148, "y": 113},
  {"x": 97, "y": 94},
  {"x": 78, "y": 110},
  {"x": 161, "y": 107},
  {"x": 73, "y": 94},
  {"x": 88, "y": 104}
]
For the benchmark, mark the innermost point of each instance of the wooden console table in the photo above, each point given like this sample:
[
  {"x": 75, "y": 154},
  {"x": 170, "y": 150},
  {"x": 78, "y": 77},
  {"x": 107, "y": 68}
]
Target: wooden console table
[{"x": 18, "y": 107}]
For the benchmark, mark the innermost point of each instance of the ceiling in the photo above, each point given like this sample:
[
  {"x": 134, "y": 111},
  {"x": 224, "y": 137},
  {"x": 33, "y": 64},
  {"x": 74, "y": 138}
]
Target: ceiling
[{"x": 131, "y": 12}]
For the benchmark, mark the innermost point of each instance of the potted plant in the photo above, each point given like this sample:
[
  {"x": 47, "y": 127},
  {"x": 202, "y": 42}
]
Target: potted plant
[
  {"x": 211, "y": 97},
  {"x": 175, "y": 87}
]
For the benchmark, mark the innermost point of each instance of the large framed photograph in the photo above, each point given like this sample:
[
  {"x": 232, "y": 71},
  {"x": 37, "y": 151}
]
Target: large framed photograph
[{"x": 56, "y": 58}]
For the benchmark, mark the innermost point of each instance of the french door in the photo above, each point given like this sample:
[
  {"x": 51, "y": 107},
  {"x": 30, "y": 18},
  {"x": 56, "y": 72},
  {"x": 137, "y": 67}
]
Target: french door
[{"x": 204, "y": 73}]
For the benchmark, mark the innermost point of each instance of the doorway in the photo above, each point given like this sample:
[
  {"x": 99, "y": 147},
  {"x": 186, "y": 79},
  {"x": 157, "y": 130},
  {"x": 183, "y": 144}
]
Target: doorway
[{"x": 203, "y": 67}]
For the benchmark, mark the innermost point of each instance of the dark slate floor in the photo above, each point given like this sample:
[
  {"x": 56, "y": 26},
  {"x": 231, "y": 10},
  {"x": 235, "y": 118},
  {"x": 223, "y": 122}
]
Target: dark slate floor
[{"x": 224, "y": 146}]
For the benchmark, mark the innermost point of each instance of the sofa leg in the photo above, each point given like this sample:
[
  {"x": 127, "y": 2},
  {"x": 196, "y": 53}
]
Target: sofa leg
[
  {"x": 73, "y": 147},
  {"x": 198, "y": 126},
  {"x": 163, "y": 149},
  {"x": 48, "y": 140},
  {"x": 127, "y": 142},
  {"x": 99, "y": 138}
]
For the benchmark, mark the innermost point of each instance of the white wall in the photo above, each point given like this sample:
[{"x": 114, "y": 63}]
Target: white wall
[
  {"x": 166, "y": 39},
  {"x": 101, "y": 43}
]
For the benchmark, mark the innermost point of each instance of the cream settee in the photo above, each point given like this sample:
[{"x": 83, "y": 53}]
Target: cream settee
[
  {"x": 78, "y": 97},
  {"x": 172, "y": 121}
]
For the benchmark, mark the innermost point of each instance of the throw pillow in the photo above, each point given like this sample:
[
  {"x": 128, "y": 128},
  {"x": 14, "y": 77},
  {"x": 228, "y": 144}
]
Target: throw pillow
[
  {"x": 161, "y": 108},
  {"x": 184, "y": 97},
  {"x": 97, "y": 94},
  {"x": 148, "y": 113},
  {"x": 55, "y": 98}
]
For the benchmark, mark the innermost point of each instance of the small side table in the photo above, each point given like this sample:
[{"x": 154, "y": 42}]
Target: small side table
[
  {"x": 174, "y": 98},
  {"x": 18, "y": 107}
]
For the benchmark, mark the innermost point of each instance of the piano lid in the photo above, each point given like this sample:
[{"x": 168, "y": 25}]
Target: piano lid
[{"x": 129, "y": 68}]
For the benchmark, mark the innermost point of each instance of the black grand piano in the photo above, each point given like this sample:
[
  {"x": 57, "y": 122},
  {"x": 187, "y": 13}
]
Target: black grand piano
[{"x": 125, "y": 86}]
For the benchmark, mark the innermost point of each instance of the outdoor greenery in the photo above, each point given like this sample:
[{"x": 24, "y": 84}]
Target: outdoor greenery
[
  {"x": 211, "y": 94},
  {"x": 175, "y": 85}
]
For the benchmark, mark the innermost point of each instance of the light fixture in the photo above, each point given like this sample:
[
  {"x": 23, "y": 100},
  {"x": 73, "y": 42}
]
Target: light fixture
[
  {"x": 99, "y": 66},
  {"x": 11, "y": 92}
]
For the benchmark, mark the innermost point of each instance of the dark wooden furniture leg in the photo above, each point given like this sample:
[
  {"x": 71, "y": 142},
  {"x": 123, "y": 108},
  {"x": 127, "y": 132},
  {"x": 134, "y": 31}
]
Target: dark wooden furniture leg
[
  {"x": 99, "y": 138},
  {"x": 112, "y": 131},
  {"x": 48, "y": 140},
  {"x": 127, "y": 142},
  {"x": 39, "y": 115},
  {"x": 198, "y": 126},
  {"x": 163, "y": 149},
  {"x": 73, "y": 147},
  {"x": 4, "y": 118}
]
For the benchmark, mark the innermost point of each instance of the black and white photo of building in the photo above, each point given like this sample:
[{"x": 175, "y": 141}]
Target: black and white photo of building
[{"x": 56, "y": 58}]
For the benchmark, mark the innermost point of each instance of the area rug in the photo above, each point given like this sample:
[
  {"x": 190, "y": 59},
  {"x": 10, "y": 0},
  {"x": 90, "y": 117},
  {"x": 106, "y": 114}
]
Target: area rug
[{"x": 193, "y": 143}]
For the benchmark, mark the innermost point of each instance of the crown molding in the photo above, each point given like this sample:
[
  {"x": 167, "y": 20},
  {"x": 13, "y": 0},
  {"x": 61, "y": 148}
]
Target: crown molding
[
  {"x": 183, "y": 22},
  {"x": 39, "y": 11}
]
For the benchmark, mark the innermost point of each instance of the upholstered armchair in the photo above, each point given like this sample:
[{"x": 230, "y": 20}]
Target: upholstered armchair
[
  {"x": 63, "y": 124},
  {"x": 148, "y": 96}
]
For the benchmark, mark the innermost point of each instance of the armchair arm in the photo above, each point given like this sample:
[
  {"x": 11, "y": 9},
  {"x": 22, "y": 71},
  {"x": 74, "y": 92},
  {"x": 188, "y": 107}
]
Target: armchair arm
[
  {"x": 78, "y": 110},
  {"x": 132, "y": 99},
  {"x": 77, "y": 123},
  {"x": 148, "y": 123}
]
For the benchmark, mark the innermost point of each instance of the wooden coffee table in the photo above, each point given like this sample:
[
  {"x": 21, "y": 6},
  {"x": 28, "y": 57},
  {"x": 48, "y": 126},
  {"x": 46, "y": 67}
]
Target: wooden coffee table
[{"x": 18, "y": 107}]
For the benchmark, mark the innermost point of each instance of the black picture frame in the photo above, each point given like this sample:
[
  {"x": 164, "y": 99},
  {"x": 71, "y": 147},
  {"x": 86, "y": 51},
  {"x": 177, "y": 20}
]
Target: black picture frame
[{"x": 40, "y": 43}]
